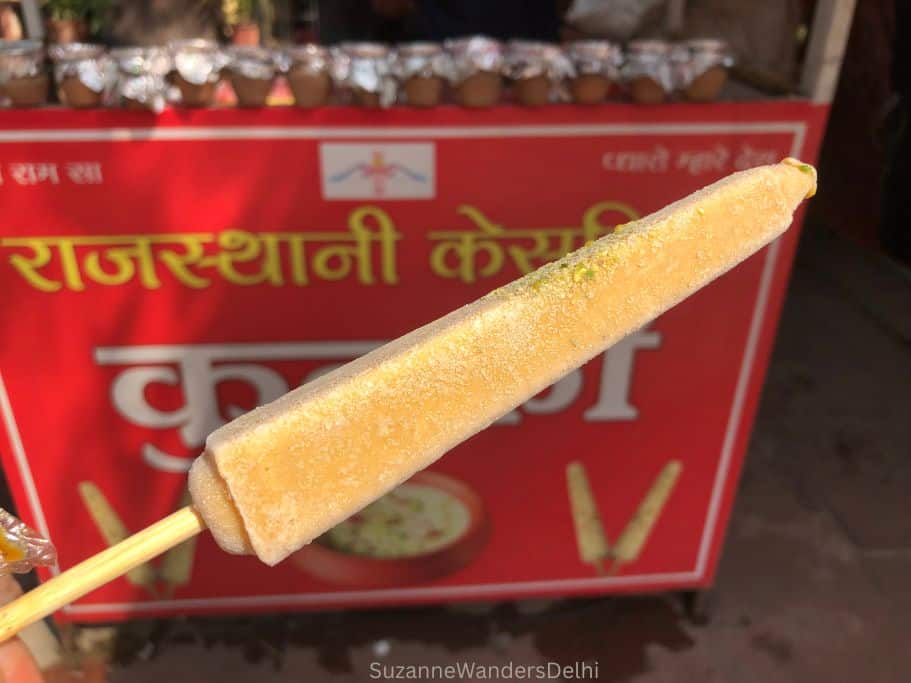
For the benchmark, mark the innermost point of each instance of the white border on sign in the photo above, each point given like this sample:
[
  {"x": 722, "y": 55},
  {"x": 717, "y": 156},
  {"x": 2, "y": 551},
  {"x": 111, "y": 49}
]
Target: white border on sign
[
  {"x": 397, "y": 132},
  {"x": 796, "y": 128}
]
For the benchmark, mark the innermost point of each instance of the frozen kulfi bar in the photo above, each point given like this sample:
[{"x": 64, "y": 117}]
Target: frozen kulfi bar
[{"x": 274, "y": 479}]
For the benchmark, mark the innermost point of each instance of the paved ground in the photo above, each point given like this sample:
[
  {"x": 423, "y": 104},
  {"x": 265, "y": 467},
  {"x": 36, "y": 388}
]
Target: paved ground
[{"x": 815, "y": 583}]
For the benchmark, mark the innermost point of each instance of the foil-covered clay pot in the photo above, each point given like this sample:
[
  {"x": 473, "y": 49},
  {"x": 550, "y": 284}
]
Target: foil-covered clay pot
[
  {"x": 141, "y": 77},
  {"x": 365, "y": 71},
  {"x": 537, "y": 71},
  {"x": 649, "y": 70},
  {"x": 477, "y": 70},
  {"x": 197, "y": 67},
  {"x": 308, "y": 69},
  {"x": 706, "y": 69},
  {"x": 84, "y": 73},
  {"x": 422, "y": 69},
  {"x": 594, "y": 67},
  {"x": 252, "y": 71},
  {"x": 23, "y": 79}
]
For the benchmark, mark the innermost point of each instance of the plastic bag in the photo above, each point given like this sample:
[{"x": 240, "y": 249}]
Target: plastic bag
[{"x": 21, "y": 547}]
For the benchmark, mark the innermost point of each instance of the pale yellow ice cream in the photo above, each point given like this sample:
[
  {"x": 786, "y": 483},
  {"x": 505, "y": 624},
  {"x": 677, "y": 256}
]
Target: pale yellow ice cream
[{"x": 278, "y": 477}]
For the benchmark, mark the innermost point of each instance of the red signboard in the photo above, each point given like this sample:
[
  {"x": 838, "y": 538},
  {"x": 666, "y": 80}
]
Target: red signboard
[{"x": 160, "y": 275}]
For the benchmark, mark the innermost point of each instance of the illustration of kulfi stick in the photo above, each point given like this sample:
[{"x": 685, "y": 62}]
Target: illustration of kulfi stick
[
  {"x": 634, "y": 536},
  {"x": 113, "y": 531},
  {"x": 590, "y": 537},
  {"x": 177, "y": 563}
]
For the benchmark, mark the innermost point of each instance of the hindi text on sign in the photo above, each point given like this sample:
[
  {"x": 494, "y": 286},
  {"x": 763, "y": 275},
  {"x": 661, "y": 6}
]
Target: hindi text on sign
[{"x": 193, "y": 258}]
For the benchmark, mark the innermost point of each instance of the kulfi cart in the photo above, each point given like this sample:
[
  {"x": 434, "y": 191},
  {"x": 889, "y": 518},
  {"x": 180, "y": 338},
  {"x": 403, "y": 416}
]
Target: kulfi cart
[{"x": 163, "y": 273}]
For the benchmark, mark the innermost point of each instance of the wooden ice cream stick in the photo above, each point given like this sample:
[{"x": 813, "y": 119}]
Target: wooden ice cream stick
[{"x": 98, "y": 570}]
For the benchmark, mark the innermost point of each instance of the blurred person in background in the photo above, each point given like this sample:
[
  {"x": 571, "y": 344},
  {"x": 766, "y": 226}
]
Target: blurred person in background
[
  {"x": 407, "y": 20},
  {"x": 141, "y": 22},
  {"x": 10, "y": 25},
  {"x": 503, "y": 19},
  {"x": 16, "y": 663},
  {"x": 382, "y": 21}
]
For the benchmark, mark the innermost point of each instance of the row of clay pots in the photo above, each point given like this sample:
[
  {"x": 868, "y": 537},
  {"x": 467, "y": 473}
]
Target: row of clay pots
[
  {"x": 477, "y": 70},
  {"x": 472, "y": 72},
  {"x": 88, "y": 75}
]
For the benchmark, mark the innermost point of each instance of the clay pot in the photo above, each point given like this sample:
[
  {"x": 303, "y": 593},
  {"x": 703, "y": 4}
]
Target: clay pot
[
  {"x": 365, "y": 98},
  {"x": 420, "y": 69},
  {"x": 708, "y": 60},
  {"x": 707, "y": 86},
  {"x": 589, "y": 88},
  {"x": 142, "y": 74},
  {"x": 532, "y": 92},
  {"x": 534, "y": 69},
  {"x": 196, "y": 70},
  {"x": 423, "y": 91},
  {"x": 134, "y": 105},
  {"x": 251, "y": 92},
  {"x": 195, "y": 94},
  {"x": 645, "y": 90},
  {"x": 30, "y": 91},
  {"x": 481, "y": 89},
  {"x": 66, "y": 31},
  {"x": 246, "y": 34},
  {"x": 595, "y": 65},
  {"x": 478, "y": 64},
  {"x": 649, "y": 70},
  {"x": 309, "y": 73},
  {"x": 364, "y": 70},
  {"x": 74, "y": 93},
  {"x": 80, "y": 70},
  {"x": 310, "y": 89},
  {"x": 22, "y": 70}
]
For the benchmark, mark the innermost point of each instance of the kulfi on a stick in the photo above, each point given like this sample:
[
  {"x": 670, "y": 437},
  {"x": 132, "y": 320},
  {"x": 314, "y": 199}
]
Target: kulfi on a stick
[{"x": 276, "y": 478}]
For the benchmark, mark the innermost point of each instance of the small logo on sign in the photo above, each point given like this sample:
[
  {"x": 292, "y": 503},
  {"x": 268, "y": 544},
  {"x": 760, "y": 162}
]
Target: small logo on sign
[{"x": 389, "y": 171}]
